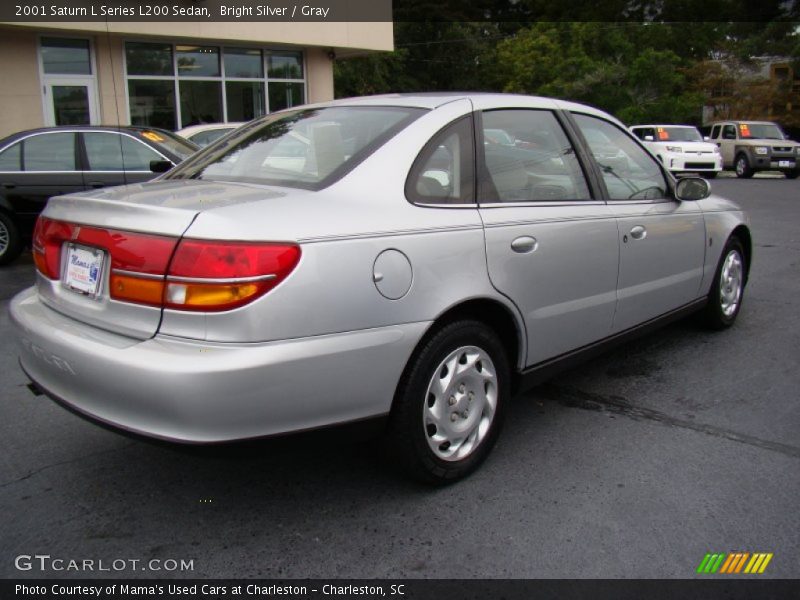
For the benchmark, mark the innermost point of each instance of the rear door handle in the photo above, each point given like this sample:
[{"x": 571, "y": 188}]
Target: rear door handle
[
  {"x": 639, "y": 232},
  {"x": 524, "y": 244}
]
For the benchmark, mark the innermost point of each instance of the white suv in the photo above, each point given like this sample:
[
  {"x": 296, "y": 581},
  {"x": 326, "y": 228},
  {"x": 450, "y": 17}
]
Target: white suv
[{"x": 681, "y": 148}]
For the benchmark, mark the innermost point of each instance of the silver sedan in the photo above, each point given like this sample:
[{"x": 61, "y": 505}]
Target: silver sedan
[{"x": 409, "y": 258}]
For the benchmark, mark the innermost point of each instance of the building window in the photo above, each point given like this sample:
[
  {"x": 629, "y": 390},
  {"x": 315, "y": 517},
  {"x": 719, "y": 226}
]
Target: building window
[
  {"x": 175, "y": 86},
  {"x": 64, "y": 56}
]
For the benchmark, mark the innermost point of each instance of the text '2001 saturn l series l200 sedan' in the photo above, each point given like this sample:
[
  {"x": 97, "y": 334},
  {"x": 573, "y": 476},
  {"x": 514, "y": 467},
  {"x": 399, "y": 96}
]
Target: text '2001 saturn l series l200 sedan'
[{"x": 372, "y": 257}]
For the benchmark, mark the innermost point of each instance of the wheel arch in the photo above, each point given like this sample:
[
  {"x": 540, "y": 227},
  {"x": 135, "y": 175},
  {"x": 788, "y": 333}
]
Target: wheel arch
[
  {"x": 501, "y": 318},
  {"x": 742, "y": 232}
]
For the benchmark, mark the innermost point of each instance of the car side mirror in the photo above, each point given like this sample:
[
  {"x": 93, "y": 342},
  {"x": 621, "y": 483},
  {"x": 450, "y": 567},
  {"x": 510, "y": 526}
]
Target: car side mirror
[
  {"x": 648, "y": 138},
  {"x": 692, "y": 188},
  {"x": 706, "y": 138},
  {"x": 161, "y": 166}
]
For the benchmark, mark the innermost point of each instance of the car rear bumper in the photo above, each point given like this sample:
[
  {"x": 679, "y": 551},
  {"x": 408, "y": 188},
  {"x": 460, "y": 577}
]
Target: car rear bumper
[{"x": 195, "y": 392}]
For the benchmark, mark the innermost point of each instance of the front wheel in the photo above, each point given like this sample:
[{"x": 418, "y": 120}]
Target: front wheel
[
  {"x": 450, "y": 403},
  {"x": 727, "y": 290},
  {"x": 743, "y": 169}
]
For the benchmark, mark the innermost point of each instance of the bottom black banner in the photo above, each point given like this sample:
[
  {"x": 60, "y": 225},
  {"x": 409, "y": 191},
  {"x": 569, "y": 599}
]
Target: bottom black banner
[{"x": 417, "y": 589}]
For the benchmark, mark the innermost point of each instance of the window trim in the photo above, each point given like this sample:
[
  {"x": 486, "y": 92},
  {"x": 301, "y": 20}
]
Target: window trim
[
  {"x": 222, "y": 78},
  {"x": 423, "y": 155}
]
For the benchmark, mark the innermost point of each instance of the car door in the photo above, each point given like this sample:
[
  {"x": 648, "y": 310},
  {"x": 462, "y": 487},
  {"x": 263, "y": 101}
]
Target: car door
[
  {"x": 662, "y": 240},
  {"x": 116, "y": 158},
  {"x": 551, "y": 242},
  {"x": 727, "y": 144},
  {"x": 48, "y": 167}
]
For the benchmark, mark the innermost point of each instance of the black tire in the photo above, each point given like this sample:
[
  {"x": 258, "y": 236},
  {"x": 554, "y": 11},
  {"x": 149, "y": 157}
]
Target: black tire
[
  {"x": 791, "y": 174},
  {"x": 742, "y": 166},
  {"x": 715, "y": 315},
  {"x": 10, "y": 243},
  {"x": 410, "y": 427}
]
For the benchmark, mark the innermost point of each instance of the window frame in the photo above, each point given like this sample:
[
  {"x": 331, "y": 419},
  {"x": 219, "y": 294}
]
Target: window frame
[
  {"x": 426, "y": 153},
  {"x": 669, "y": 178},
  {"x": 84, "y": 153},
  {"x": 597, "y": 193},
  {"x": 222, "y": 79}
]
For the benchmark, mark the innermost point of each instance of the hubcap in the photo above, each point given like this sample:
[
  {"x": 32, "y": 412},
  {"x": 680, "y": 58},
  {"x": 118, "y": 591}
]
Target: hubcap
[
  {"x": 740, "y": 166},
  {"x": 730, "y": 283},
  {"x": 460, "y": 403},
  {"x": 4, "y": 238}
]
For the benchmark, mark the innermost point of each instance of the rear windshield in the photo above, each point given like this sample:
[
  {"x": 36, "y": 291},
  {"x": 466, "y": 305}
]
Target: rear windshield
[
  {"x": 679, "y": 134},
  {"x": 180, "y": 147},
  {"x": 308, "y": 149}
]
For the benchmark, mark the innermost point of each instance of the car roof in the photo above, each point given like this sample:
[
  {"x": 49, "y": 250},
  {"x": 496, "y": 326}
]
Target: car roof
[
  {"x": 743, "y": 121},
  {"x": 664, "y": 125},
  {"x": 109, "y": 128},
  {"x": 191, "y": 129}
]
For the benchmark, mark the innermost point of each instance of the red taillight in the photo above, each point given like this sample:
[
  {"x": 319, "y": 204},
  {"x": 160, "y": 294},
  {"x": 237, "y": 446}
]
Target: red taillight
[
  {"x": 214, "y": 276},
  {"x": 202, "y": 275}
]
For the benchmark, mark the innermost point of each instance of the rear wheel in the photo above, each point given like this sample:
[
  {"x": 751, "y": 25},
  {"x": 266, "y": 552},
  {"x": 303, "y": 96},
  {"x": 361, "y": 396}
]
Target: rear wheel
[
  {"x": 743, "y": 169},
  {"x": 10, "y": 244},
  {"x": 450, "y": 403},
  {"x": 727, "y": 290}
]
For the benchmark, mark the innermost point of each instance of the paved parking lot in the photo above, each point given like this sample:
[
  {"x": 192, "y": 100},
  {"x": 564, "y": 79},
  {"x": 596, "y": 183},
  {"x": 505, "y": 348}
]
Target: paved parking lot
[{"x": 634, "y": 465}]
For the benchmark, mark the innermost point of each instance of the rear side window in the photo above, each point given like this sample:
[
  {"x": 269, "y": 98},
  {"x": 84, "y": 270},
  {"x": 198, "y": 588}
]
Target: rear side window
[
  {"x": 629, "y": 172},
  {"x": 532, "y": 161},
  {"x": 444, "y": 172},
  {"x": 11, "y": 158},
  {"x": 50, "y": 152},
  {"x": 115, "y": 152}
]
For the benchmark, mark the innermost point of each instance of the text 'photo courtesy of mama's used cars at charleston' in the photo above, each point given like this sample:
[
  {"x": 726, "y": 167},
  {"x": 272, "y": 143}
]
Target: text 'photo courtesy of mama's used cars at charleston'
[
  {"x": 403, "y": 267},
  {"x": 681, "y": 148},
  {"x": 751, "y": 146}
]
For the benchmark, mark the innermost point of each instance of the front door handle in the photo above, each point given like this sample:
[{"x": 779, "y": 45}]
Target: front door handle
[
  {"x": 524, "y": 244},
  {"x": 639, "y": 232}
]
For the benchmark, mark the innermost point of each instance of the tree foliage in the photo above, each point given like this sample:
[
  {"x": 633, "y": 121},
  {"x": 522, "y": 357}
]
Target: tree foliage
[{"x": 639, "y": 67}]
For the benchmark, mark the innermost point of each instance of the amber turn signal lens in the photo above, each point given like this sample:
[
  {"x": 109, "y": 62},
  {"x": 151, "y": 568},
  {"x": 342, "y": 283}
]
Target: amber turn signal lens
[{"x": 136, "y": 289}]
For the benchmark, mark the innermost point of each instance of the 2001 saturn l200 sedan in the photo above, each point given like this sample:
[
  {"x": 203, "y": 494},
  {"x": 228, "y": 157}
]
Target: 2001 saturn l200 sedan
[{"x": 414, "y": 257}]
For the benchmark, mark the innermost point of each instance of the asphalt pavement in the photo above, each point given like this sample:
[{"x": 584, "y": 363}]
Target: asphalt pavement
[{"x": 633, "y": 465}]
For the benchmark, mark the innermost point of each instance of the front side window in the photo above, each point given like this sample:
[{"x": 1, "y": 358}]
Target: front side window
[
  {"x": 646, "y": 134},
  {"x": 715, "y": 131},
  {"x": 729, "y": 132},
  {"x": 629, "y": 171},
  {"x": 50, "y": 152},
  {"x": 307, "y": 149},
  {"x": 115, "y": 152},
  {"x": 528, "y": 158},
  {"x": 11, "y": 158},
  {"x": 444, "y": 172}
]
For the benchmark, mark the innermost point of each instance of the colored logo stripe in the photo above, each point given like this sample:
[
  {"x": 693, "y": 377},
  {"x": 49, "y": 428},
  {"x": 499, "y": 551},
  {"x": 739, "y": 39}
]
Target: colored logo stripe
[{"x": 734, "y": 562}]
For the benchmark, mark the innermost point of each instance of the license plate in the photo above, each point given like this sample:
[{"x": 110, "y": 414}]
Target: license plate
[
  {"x": 84, "y": 268},
  {"x": 786, "y": 163}
]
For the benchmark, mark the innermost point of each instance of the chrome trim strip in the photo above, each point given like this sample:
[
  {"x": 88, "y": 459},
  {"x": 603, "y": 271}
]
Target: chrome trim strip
[
  {"x": 175, "y": 278},
  {"x": 136, "y": 274}
]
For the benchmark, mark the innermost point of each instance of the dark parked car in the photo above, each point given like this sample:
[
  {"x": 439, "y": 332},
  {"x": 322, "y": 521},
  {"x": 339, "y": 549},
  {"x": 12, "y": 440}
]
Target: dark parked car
[{"x": 40, "y": 163}]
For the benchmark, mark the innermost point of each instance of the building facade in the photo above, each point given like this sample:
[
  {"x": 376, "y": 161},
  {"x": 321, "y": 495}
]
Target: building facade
[{"x": 170, "y": 74}]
